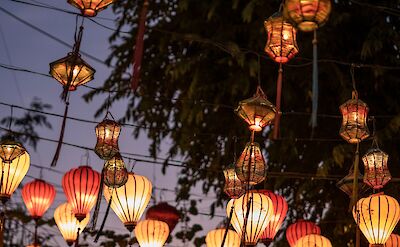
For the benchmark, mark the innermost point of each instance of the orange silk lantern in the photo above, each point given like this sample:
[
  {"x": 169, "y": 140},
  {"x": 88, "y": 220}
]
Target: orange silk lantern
[
  {"x": 393, "y": 241},
  {"x": 314, "y": 240},
  {"x": 165, "y": 213},
  {"x": 92, "y": 7},
  {"x": 215, "y": 237},
  {"x": 107, "y": 133},
  {"x": 38, "y": 197},
  {"x": 151, "y": 233},
  {"x": 300, "y": 229}
]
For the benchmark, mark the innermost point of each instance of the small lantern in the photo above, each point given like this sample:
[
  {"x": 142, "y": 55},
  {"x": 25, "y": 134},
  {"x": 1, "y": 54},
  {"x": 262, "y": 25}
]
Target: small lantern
[
  {"x": 68, "y": 224},
  {"x": 233, "y": 186},
  {"x": 38, "y": 196},
  {"x": 107, "y": 133},
  {"x": 257, "y": 111},
  {"x": 81, "y": 71},
  {"x": 250, "y": 167},
  {"x": 393, "y": 241},
  {"x": 307, "y": 15},
  {"x": 215, "y": 237},
  {"x": 300, "y": 229},
  {"x": 281, "y": 45},
  {"x": 314, "y": 240},
  {"x": 151, "y": 233},
  {"x": 130, "y": 200},
  {"x": 10, "y": 149},
  {"x": 115, "y": 172},
  {"x": 354, "y": 123},
  {"x": 376, "y": 173},
  {"x": 377, "y": 216},
  {"x": 81, "y": 186},
  {"x": 346, "y": 184},
  {"x": 92, "y": 7},
  {"x": 165, "y": 213}
]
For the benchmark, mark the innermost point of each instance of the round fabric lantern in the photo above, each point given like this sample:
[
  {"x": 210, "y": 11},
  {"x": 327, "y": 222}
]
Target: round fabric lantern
[
  {"x": 12, "y": 175},
  {"x": 115, "y": 172},
  {"x": 281, "y": 44},
  {"x": 151, "y": 233},
  {"x": 107, "y": 133},
  {"x": 10, "y": 149},
  {"x": 165, "y": 213},
  {"x": 38, "y": 197},
  {"x": 215, "y": 237},
  {"x": 257, "y": 111},
  {"x": 307, "y": 15},
  {"x": 92, "y": 7},
  {"x": 393, "y": 241},
  {"x": 81, "y": 186},
  {"x": 68, "y": 224},
  {"x": 377, "y": 216},
  {"x": 233, "y": 186},
  {"x": 260, "y": 209},
  {"x": 376, "y": 171},
  {"x": 313, "y": 240},
  {"x": 300, "y": 229},
  {"x": 250, "y": 167},
  {"x": 130, "y": 200}
]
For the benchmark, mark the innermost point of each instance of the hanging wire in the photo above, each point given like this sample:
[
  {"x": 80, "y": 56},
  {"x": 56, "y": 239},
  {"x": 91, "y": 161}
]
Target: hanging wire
[
  {"x": 259, "y": 70},
  {"x": 11, "y": 117},
  {"x": 374, "y": 136}
]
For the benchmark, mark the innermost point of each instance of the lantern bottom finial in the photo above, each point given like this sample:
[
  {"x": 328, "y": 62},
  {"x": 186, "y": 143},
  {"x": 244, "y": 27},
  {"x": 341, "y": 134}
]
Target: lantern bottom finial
[
  {"x": 266, "y": 241},
  {"x": 4, "y": 198},
  {"x": 80, "y": 217},
  {"x": 130, "y": 226},
  {"x": 307, "y": 26},
  {"x": 70, "y": 242},
  {"x": 89, "y": 12}
]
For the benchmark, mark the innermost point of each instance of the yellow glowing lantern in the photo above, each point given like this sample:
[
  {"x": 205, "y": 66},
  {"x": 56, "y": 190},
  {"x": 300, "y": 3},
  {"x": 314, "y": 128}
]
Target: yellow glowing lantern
[
  {"x": 233, "y": 186},
  {"x": 92, "y": 7},
  {"x": 107, "y": 133},
  {"x": 151, "y": 233},
  {"x": 10, "y": 149},
  {"x": 377, "y": 216},
  {"x": 393, "y": 241},
  {"x": 130, "y": 200},
  {"x": 313, "y": 240},
  {"x": 215, "y": 237},
  {"x": 250, "y": 166}
]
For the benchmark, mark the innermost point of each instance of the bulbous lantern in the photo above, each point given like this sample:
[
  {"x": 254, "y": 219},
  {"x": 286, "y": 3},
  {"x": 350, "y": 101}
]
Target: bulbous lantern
[
  {"x": 68, "y": 224},
  {"x": 165, "y": 213},
  {"x": 38, "y": 197},
  {"x": 92, "y": 7},
  {"x": 151, "y": 233},
  {"x": 260, "y": 210},
  {"x": 377, "y": 216},
  {"x": 376, "y": 172},
  {"x": 10, "y": 149},
  {"x": 215, "y": 237},
  {"x": 233, "y": 186},
  {"x": 130, "y": 200},
  {"x": 313, "y": 240},
  {"x": 257, "y": 111},
  {"x": 115, "y": 172},
  {"x": 250, "y": 167},
  {"x": 281, "y": 44},
  {"x": 81, "y": 186},
  {"x": 307, "y": 15},
  {"x": 300, "y": 229},
  {"x": 354, "y": 127},
  {"x": 393, "y": 241},
  {"x": 107, "y": 133}
]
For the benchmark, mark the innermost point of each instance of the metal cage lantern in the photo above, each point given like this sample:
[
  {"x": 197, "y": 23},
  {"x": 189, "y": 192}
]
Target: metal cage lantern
[
  {"x": 250, "y": 166},
  {"x": 281, "y": 44},
  {"x": 313, "y": 240},
  {"x": 115, "y": 172},
  {"x": 393, "y": 241},
  {"x": 107, "y": 133},
  {"x": 151, "y": 233},
  {"x": 354, "y": 127},
  {"x": 307, "y": 15},
  {"x": 257, "y": 111},
  {"x": 233, "y": 186},
  {"x": 300, "y": 229},
  {"x": 215, "y": 238},
  {"x": 92, "y": 7},
  {"x": 38, "y": 197},
  {"x": 10, "y": 149},
  {"x": 164, "y": 212},
  {"x": 376, "y": 172}
]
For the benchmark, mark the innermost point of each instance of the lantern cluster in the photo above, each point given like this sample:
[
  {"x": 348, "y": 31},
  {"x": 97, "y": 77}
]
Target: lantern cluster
[{"x": 301, "y": 229}]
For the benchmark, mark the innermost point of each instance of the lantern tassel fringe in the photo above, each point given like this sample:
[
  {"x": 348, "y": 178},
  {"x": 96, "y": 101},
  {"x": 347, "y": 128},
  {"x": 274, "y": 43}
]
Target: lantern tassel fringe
[{"x": 61, "y": 138}]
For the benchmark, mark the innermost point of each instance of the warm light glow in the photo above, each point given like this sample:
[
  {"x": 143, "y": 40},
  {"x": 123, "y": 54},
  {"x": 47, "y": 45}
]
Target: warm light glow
[
  {"x": 90, "y": 8},
  {"x": 250, "y": 166},
  {"x": 151, "y": 233},
  {"x": 393, "y": 241},
  {"x": 354, "y": 127},
  {"x": 115, "y": 172},
  {"x": 107, "y": 133},
  {"x": 38, "y": 197},
  {"x": 10, "y": 149},
  {"x": 215, "y": 237},
  {"x": 376, "y": 171},
  {"x": 313, "y": 240},
  {"x": 233, "y": 186},
  {"x": 300, "y": 229}
]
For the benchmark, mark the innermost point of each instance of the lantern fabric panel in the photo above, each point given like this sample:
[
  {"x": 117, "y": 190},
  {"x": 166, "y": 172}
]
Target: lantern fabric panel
[
  {"x": 215, "y": 237},
  {"x": 313, "y": 240},
  {"x": 38, "y": 197},
  {"x": 233, "y": 186},
  {"x": 115, "y": 172},
  {"x": 393, "y": 241},
  {"x": 164, "y": 212},
  {"x": 151, "y": 233},
  {"x": 300, "y": 229},
  {"x": 250, "y": 166},
  {"x": 376, "y": 172},
  {"x": 90, "y": 8},
  {"x": 10, "y": 150},
  {"x": 107, "y": 133}
]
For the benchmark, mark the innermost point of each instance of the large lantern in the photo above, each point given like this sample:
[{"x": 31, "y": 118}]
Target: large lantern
[
  {"x": 300, "y": 229},
  {"x": 354, "y": 123},
  {"x": 257, "y": 111},
  {"x": 376, "y": 172},
  {"x": 377, "y": 216},
  {"x": 260, "y": 211},
  {"x": 215, "y": 237},
  {"x": 233, "y": 186},
  {"x": 130, "y": 200},
  {"x": 10, "y": 149},
  {"x": 115, "y": 172},
  {"x": 92, "y": 7},
  {"x": 151, "y": 233},
  {"x": 164, "y": 212},
  {"x": 68, "y": 224},
  {"x": 393, "y": 241},
  {"x": 313, "y": 240},
  {"x": 38, "y": 196},
  {"x": 250, "y": 167},
  {"x": 81, "y": 186},
  {"x": 281, "y": 44},
  {"x": 279, "y": 214},
  {"x": 107, "y": 133},
  {"x": 307, "y": 15},
  {"x": 12, "y": 175}
]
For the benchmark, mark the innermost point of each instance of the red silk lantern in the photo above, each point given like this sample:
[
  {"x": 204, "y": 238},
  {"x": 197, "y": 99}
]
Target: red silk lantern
[
  {"x": 300, "y": 229},
  {"x": 38, "y": 196},
  {"x": 164, "y": 212},
  {"x": 81, "y": 186},
  {"x": 393, "y": 241}
]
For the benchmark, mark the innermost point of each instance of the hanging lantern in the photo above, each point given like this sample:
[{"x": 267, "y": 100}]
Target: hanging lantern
[
  {"x": 130, "y": 200},
  {"x": 81, "y": 186},
  {"x": 279, "y": 214},
  {"x": 346, "y": 184},
  {"x": 12, "y": 175},
  {"x": 260, "y": 211},
  {"x": 68, "y": 224},
  {"x": 281, "y": 45},
  {"x": 165, "y": 213},
  {"x": 393, "y": 241},
  {"x": 115, "y": 172},
  {"x": 300, "y": 229},
  {"x": 92, "y": 7},
  {"x": 377, "y": 216},
  {"x": 250, "y": 167},
  {"x": 354, "y": 124},
  {"x": 38, "y": 196},
  {"x": 107, "y": 133},
  {"x": 313, "y": 240},
  {"x": 233, "y": 186},
  {"x": 307, "y": 15},
  {"x": 376, "y": 172},
  {"x": 151, "y": 233},
  {"x": 257, "y": 111},
  {"x": 215, "y": 237},
  {"x": 10, "y": 149}
]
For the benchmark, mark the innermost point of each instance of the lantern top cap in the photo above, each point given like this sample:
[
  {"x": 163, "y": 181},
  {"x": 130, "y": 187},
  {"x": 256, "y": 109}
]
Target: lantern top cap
[{"x": 375, "y": 150}]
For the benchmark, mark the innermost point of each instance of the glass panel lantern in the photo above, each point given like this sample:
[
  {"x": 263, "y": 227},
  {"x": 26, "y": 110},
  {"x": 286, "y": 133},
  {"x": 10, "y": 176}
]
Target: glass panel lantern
[
  {"x": 115, "y": 172},
  {"x": 376, "y": 173},
  {"x": 250, "y": 167},
  {"x": 10, "y": 150},
  {"x": 107, "y": 133},
  {"x": 233, "y": 186},
  {"x": 90, "y": 8}
]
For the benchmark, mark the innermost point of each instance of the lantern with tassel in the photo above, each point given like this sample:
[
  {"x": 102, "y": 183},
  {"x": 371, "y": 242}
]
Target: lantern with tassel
[
  {"x": 115, "y": 172},
  {"x": 233, "y": 186},
  {"x": 107, "y": 133},
  {"x": 92, "y": 7},
  {"x": 376, "y": 172},
  {"x": 314, "y": 240},
  {"x": 250, "y": 167},
  {"x": 151, "y": 233},
  {"x": 165, "y": 213},
  {"x": 300, "y": 229},
  {"x": 215, "y": 237},
  {"x": 10, "y": 149},
  {"x": 38, "y": 197},
  {"x": 393, "y": 241}
]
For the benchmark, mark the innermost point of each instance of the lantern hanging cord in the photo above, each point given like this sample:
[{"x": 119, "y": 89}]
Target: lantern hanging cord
[
  {"x": 374, "y": 136},
  {"x": 353, "y": 80},
  {"x": 11, "y": 117},
  {"x": 228, "y": 222},
  {"x": 235, "y": 139},
  {"x": 259, "y": 71}
]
